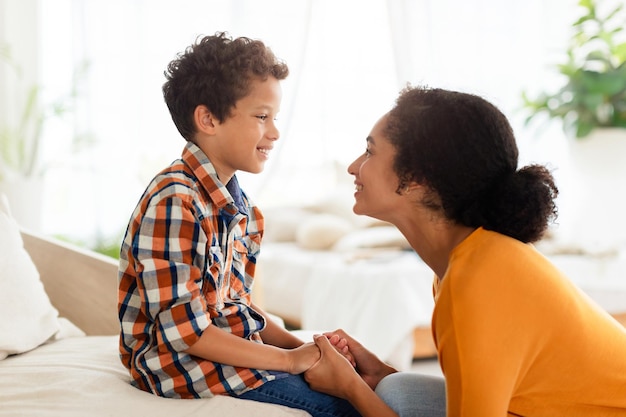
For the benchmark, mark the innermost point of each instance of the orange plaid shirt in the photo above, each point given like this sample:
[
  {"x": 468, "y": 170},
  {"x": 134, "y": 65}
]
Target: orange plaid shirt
[{"x": 187, "y": 262}]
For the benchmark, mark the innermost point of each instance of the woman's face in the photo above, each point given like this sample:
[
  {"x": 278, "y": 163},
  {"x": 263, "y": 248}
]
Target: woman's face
[{"x": 375, "y": 180}]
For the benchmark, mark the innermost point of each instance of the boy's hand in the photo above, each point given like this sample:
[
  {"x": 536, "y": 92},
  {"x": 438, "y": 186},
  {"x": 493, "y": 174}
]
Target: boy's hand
[
  {"x": 333, "y": 373},
  {"x": 302, "y": 358},
  {"x": 341, "y": 345},
  {"x": 370, "y": 367}
]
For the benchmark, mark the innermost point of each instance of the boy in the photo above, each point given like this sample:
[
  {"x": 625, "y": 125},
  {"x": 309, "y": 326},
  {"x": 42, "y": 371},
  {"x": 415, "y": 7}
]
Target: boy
[{"x": 187, "y": 262}]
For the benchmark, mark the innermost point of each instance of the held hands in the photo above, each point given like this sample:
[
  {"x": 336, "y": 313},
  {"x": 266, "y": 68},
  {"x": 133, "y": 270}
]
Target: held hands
[
  {"x": 333, "y": 373},
  {"x": 306, "y": 355},
  {"x": 302, "y": 358},
  {"x": 341, "y": 345},
  {"x": 368, "y": 365}
]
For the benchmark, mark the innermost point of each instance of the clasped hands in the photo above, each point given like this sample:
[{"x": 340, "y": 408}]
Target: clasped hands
[{"x": 342, "y": 363}]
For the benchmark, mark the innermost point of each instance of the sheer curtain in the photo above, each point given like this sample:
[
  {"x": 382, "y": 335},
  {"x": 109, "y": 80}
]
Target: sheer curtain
[{"x": 348, "y": 60}]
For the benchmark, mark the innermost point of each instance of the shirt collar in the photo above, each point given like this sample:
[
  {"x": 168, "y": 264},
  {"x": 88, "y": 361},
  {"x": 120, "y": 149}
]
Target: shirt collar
[{"x": 222, "y": 196}]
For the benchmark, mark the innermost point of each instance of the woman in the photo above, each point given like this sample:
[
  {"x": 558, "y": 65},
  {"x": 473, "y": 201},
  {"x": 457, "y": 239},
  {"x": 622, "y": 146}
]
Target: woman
[{"x": 514, "y": 336}]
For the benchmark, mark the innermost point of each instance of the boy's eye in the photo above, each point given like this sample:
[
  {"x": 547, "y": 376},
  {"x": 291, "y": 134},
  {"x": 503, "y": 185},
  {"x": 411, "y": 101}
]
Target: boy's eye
[{"x": 262, "y": 117}]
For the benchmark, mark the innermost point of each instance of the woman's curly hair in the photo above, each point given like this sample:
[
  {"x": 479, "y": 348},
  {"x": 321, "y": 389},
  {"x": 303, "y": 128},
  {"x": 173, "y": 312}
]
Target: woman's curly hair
[
  {"x": 216, "y": 71},
  {"x": 463, "y": 149}
]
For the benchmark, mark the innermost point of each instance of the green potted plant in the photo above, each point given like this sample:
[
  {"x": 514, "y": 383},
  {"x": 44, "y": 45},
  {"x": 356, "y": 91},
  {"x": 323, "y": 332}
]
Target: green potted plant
[{"x": 594, "y": 94}]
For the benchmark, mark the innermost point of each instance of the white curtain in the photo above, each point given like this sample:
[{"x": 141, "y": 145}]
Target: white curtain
[{"x": 348, "y": 60}]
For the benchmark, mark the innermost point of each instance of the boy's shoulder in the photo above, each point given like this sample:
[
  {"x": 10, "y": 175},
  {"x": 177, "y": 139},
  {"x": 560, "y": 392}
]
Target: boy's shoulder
[{"x": 176, "y": 180}]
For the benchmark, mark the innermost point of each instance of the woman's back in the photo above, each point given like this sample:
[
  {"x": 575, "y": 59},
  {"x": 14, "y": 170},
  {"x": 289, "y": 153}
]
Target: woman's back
[{"x": 516, "y": 336}]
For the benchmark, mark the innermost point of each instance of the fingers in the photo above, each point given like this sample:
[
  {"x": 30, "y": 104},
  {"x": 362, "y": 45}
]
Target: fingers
[
  {"x": 339, "y": 332},
  {"x": 322, "y": 342},
  {"x": 341, "y": 346},
  {"x": 342, "y": 335}
]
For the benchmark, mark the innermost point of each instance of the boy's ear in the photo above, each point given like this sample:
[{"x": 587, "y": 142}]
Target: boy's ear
[{"x": 204, "y": 120}]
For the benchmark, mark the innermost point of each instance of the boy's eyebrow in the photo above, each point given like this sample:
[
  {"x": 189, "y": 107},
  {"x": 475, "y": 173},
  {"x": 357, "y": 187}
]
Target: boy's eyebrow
[
  {"x": 370, "y": 139},
  {"x": 266, "y": 107}
]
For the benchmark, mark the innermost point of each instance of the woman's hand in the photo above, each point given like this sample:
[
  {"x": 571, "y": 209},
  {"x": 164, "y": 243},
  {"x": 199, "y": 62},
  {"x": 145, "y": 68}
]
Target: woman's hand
[
  {"x": 332, "y": 373},
  {"x": 368, "y": 365},
  {"x": 341, "y": 345},
  {"x": 335, "y": 375}
]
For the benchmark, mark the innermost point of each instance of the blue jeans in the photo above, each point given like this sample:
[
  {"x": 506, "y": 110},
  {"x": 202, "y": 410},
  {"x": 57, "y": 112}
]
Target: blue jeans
[
  {"x": 414, "y": 395},
  {"x": 293, "y": 391}
]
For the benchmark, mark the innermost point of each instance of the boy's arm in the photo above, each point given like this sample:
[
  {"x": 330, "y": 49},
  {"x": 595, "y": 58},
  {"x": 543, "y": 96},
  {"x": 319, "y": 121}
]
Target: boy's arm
[
  {"x": 218, "y": 345},
  {"x": 274, "y": 334}
]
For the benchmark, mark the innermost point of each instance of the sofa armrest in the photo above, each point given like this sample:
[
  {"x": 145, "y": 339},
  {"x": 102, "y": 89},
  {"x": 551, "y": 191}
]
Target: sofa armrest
[{"x": 81, "y": 284}]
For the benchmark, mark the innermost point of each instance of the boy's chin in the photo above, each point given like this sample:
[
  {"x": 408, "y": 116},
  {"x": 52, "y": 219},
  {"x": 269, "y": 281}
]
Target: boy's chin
[
  {"x": 253, "y": 169},
  {"x": 256, "y": 170}
]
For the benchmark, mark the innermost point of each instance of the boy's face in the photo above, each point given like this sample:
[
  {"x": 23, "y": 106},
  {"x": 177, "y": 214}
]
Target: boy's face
[{"x": 244, "y": 140}]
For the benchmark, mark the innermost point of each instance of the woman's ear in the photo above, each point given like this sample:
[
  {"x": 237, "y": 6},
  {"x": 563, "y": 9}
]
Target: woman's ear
[
  {"x": 408, "y": 188},
  {"x": 204, "y": 120}
]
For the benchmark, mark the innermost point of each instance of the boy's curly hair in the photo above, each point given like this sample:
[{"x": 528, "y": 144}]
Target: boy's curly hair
[{"x": 216, "y": 72}]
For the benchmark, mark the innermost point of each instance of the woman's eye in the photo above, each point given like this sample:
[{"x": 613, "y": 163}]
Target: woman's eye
[{"x": 262, "y": 117}]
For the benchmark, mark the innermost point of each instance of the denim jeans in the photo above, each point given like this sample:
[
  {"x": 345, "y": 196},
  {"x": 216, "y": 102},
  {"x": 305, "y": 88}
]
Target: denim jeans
[
  {"x": 293, "y": 391},
  {"x": 414, "y": 395}
]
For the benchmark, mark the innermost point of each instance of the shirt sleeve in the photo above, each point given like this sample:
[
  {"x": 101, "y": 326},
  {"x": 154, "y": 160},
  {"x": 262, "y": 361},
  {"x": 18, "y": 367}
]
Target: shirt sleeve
[{"x": 170, "y": 249}]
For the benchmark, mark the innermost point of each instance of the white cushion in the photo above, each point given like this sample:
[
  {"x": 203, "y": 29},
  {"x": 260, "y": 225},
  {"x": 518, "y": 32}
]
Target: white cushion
[
  {"x": 281, "y": 223},
  {"x": 321, "y": 231},
  {"x": 373, "y": 237},
  {"x": 27, "y": 318}
]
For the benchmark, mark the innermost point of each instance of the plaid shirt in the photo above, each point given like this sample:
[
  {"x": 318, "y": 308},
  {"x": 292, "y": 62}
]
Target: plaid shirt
[{"x": 187, "y": 261}]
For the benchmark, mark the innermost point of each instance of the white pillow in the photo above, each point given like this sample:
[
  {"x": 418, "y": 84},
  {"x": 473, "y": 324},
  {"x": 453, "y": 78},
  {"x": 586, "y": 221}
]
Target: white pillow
[
  {"x": 27, "y": 318},
  {"x": 281, "y": 223},
  {"x": 321, "y": 231}
]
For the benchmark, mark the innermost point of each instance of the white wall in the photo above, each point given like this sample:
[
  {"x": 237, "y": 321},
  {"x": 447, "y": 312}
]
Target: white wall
[{"x": 19, "y": 30}]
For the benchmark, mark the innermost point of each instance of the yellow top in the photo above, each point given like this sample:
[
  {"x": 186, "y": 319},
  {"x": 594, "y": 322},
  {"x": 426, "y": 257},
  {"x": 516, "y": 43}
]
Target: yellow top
[{"x": 516, "y": 338}]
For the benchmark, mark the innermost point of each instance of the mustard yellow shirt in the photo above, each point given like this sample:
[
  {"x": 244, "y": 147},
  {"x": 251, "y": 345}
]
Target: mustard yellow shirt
[{"x": 516, "y": 338}]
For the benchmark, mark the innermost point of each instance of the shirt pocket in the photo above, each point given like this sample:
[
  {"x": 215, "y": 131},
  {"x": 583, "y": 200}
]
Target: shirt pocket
[
  {"x": 214, "y": 279},
  {"x": 246, "y": 249}
]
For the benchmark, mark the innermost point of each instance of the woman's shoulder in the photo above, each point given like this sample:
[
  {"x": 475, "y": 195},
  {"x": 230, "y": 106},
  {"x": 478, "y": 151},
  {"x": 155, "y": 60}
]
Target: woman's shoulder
[
  {"x": 486, "y": 250},
  {"x": 489, "y": 264}
]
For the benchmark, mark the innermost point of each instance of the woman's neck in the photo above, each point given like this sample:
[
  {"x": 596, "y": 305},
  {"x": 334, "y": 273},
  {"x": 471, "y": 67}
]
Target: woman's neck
[{"x": 434, "y": 240}]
